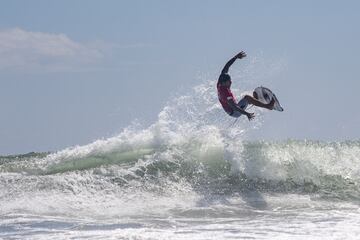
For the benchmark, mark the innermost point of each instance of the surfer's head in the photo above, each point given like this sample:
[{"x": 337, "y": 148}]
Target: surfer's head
[{"x": 225, "y": 79}]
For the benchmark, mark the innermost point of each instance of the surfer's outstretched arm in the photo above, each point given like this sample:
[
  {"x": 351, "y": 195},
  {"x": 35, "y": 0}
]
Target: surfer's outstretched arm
[{"x": 240, "y": 55}]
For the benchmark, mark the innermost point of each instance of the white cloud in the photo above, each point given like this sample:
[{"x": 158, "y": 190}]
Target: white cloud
[{"x": 25, "y": 50}]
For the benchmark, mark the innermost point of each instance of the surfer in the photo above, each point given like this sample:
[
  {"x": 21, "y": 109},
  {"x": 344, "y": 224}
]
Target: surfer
[{"x": 227, "y": 98}]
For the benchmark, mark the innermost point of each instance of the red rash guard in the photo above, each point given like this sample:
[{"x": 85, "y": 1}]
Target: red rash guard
[{"x": 224, "y": 94}]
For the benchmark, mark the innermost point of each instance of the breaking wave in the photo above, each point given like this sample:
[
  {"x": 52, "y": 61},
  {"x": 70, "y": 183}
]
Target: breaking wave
[{"x": 193, "y": 148}]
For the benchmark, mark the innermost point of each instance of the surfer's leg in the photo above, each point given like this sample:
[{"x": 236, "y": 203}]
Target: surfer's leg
[
  {"x": 254, "y": 101},
  {"x": 243, "y": 103}
]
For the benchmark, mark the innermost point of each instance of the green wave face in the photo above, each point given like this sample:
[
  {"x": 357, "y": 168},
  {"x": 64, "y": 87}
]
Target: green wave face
[{"x": 324, "y": 169}]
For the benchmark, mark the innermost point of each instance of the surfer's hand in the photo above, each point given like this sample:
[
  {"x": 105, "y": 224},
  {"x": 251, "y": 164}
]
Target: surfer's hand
[
  {"x": 241, "y": 55},
  {"x": 250, "y": 116}
]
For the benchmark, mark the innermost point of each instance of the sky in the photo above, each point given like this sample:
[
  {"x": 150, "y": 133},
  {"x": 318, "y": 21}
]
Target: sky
[{"x": 72, "y": 72}]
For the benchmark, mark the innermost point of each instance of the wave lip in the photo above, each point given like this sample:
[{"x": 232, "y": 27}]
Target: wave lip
[{"x": 309, "y": 167}]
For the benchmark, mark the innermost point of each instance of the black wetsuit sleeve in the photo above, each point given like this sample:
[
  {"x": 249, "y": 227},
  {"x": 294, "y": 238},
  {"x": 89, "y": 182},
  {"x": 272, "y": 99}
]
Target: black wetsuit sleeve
[{"x": 227, "y": 65}]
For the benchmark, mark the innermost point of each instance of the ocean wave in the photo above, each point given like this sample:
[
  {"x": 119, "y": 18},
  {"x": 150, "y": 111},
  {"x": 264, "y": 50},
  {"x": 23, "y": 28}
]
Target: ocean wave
[
  {"x": 290, "y": 166},
  {"x": 192, "y": 144}
]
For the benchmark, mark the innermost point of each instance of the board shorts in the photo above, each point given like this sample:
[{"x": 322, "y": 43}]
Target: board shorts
[{"x": 243, "y": 104}]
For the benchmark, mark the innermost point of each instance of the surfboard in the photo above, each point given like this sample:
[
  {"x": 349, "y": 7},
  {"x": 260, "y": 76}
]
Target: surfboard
[{"x": 265, "y": 95}]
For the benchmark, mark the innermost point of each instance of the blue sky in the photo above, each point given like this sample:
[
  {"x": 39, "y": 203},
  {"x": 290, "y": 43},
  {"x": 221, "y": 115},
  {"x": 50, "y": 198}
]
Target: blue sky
[{"x": 75, "y": 71}]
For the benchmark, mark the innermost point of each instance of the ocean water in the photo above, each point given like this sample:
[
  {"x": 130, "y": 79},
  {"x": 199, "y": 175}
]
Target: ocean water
[{"x": 189, "y": 175}]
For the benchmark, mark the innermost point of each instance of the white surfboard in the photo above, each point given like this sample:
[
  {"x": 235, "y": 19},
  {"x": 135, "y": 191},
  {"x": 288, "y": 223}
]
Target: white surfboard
[{"x": 265, "y": 95}]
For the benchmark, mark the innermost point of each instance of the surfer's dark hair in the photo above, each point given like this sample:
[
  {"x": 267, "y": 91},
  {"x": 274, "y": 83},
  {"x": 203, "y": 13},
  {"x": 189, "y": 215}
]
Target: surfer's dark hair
[{"x": 224, "y": 77}]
